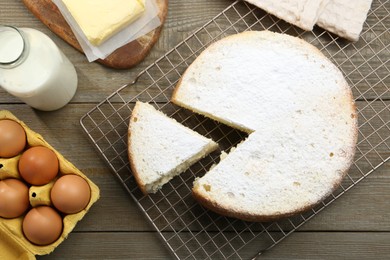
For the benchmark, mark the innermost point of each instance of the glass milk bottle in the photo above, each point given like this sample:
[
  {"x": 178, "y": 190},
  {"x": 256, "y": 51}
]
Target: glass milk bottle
[{"x": 34, "y": 69}]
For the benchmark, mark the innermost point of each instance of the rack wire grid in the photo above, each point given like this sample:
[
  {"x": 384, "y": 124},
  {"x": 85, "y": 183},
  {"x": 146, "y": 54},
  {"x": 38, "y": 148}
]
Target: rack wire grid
[{"x": 189, "y": 230}]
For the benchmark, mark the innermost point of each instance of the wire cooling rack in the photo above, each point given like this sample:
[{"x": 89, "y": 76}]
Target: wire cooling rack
[{"x": 192, "y": 232}]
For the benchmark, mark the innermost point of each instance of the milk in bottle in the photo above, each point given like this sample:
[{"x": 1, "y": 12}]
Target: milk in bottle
[{"x": 34, "y": 69}]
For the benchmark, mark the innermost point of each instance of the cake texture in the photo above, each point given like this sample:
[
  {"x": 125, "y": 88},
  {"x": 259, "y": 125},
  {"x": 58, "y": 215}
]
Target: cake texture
[
  {"x": 341, "y": 17},
  {"x": 338, "y": 17},
  {"x": 301, "y": 13}
]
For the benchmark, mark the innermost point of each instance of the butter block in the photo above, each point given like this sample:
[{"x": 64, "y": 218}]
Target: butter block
[{"x": 101, "y": 19}]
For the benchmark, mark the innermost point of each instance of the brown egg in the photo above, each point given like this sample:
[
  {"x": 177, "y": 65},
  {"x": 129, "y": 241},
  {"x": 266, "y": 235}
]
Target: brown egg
[
  {"x": 70, "y": 194},
  {"x": 12, "y": 138},
  {"x": 38, "y": 165},
  {"x": 14, "y": 199},
  {"x": 42, "y": 225}
]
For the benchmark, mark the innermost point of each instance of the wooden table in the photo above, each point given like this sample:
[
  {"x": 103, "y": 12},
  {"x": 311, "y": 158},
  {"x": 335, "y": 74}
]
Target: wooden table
[{"x": 356, "y": 226}]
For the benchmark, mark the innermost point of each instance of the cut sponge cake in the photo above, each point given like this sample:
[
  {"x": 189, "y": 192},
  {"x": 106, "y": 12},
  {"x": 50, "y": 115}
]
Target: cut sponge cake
[
  {"x": 299, "y": 111},
  {"x": 160, "y": 148}
]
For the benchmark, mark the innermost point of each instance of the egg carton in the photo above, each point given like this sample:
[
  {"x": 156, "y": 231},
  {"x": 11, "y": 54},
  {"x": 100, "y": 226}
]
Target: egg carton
[{"x": 14, "y": 245}]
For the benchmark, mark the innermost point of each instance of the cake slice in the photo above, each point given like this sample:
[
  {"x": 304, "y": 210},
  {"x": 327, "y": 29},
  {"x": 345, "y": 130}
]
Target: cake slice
[
  {"x": 160, "y": 148},
  {"x": 301, "y": 13},
  {"x": 345, "y": 18}
]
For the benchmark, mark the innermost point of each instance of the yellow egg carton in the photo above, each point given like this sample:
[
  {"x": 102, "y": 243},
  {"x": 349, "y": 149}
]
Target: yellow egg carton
[{"x": 13, "y": 244}]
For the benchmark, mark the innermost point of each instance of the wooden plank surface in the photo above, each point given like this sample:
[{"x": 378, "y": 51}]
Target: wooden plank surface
[
  {"x": 356, "y": 226},
  {"x": 324, "y": 245}
]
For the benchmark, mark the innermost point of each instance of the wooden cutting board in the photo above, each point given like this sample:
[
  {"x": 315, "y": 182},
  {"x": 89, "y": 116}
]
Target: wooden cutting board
[{"x": 123, "y": 58}]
